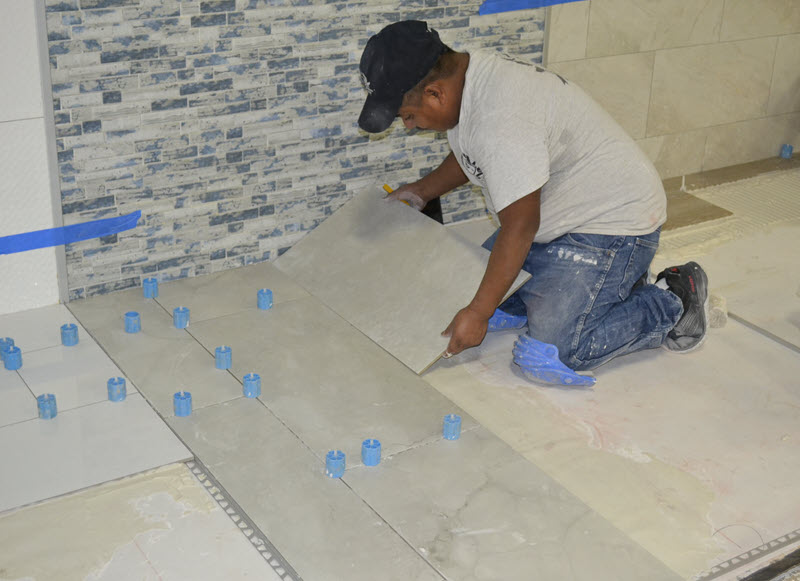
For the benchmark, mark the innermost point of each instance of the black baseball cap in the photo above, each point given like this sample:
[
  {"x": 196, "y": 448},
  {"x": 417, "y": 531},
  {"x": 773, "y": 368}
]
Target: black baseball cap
[{"x": 393, "y": 62}]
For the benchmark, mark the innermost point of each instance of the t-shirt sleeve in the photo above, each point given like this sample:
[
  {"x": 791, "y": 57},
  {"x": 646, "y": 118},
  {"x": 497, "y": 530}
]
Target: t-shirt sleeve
[{"x": 515, "y": 159}]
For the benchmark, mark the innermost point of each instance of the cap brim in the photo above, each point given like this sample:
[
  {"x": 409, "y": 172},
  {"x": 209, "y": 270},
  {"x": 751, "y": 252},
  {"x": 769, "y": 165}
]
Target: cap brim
[{"x": 378, "y": 116}]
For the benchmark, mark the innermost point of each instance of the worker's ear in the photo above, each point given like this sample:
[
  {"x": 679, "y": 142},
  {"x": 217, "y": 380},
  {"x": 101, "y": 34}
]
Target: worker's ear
[{"x": 436, "y": 93}]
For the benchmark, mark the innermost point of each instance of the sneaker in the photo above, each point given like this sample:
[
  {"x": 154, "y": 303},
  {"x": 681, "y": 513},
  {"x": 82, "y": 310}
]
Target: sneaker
[{"x": 690, "y": 283}]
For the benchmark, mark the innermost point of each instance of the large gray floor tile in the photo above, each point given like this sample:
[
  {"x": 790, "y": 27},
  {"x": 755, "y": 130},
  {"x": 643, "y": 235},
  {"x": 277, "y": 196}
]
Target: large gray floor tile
[
  {"x": 228, "y": 292},
  {"x": 160, "y": 359},
  {"x": 82, "y": 447},
  {"x": 76, "y": 375},
  {"x": 393, "y": 273},
  {"x": 17, "y": 402},
  {"x": 478, "y": 510},
  {"x": 37, "y": 328},
  {"x": 317, "y": 523},
  {"x": 328, "y": 382}
]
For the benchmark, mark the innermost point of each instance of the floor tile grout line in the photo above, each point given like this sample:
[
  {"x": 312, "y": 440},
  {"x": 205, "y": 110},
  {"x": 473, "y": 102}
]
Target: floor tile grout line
[
  {"x": 257, "y": 538},
  {"x": 394, "y": 530},
  {"x": 77, "y": 407},
  {"x": 764, "y": 332},
  {"x": 22, "y": 379},
  {"x": 82, "y": 489}
]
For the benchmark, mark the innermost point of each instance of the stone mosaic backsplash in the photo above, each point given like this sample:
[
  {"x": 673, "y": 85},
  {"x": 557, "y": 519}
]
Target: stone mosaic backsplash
[{"x": 231, "y": 124}]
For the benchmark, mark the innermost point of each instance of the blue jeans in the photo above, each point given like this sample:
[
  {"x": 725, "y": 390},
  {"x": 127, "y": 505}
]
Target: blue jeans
[{"x": 581, "y": 297}]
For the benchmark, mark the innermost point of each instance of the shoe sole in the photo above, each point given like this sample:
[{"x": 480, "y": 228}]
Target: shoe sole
[{"x": 705, "y": 325}]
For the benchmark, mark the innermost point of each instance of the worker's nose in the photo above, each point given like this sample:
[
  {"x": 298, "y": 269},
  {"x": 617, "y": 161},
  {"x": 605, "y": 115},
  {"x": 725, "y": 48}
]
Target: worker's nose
[{"x": 409, "y": 123}]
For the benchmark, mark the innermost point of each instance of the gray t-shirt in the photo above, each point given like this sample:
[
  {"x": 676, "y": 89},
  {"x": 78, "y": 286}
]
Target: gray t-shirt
[{"x": 523, "y": 128}]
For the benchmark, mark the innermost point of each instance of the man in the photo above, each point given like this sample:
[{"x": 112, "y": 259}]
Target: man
[{"x": 579, "y": 205}]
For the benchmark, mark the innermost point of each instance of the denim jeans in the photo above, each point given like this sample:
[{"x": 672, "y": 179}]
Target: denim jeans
[{"x": 581, "y": 297}]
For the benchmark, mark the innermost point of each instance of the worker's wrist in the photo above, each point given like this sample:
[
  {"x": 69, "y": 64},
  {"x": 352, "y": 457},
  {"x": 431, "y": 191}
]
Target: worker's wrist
[{"x": 482, "y": 308}]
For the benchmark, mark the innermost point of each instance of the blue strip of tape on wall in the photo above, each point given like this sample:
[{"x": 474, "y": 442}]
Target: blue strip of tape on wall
[
  {"x": 495, "y": 6},
  {"x": 68, "y": 234}
]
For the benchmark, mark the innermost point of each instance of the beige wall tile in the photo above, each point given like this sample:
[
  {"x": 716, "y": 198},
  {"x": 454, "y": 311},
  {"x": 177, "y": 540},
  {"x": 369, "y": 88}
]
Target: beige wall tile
[
  {"x": 621, "y": 84},
  {"x": 784, "y": 95},
  {"x": 566, "y": 31},
  {"x": 750, "y": 140},
  {"x": 710, "y": 85},
  {"x": 625, "y": 26},
  {"x": 755, "y": 18},
  {"x": 676, "y": 155}
]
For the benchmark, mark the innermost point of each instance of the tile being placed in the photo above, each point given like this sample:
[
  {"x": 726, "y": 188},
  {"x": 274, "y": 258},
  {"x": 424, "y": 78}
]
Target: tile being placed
[
  {"x": 227, "y": 292},
  {"x": 76, "y": 375},
  {"x": 477, "y": 510},
  {"x": 37, "y": 328},
  {"x": 393, "y": 273},
  {"x": 327, "y": 382},
  {"x": 82, "y": 447},
  {"x": 17, "y": 402},
  {"x": 317, "y": 523},
  {"x": 159, "y": 359}
]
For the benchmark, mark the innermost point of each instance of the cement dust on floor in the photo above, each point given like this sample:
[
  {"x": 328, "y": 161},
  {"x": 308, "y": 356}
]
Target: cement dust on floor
[{"x": 165, "y": 526}]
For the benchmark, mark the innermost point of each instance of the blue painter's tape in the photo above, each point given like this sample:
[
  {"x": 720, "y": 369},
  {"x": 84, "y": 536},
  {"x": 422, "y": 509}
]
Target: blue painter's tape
[
  {"x": 495, "y": 6},
  {"x": 68, "y": 234}
]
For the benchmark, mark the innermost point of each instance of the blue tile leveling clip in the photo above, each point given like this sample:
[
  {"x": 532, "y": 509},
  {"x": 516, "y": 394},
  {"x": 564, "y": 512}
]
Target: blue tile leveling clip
[
  {"x": 180, "y": 317},
  {"x": 182, "y": 403},
  {"x": 251, "y": 385},
  {"x": 5, "y": 342},
  {"x": 116, "y": 389},
  {"x": 150, "y": 288},
  {"x": 451, "y": 427},
  {"x": 69, "y": 334},
  {"x": 222, "y": 357},
  {"x": 334, "y": 463},
  {"x": 371, "y": 452},
  {"x": 133, "y": 323},
  {"x": 12, "y": 357},
  {"x": 264, "y": 299},
  {"x": 47, "y": 406}
]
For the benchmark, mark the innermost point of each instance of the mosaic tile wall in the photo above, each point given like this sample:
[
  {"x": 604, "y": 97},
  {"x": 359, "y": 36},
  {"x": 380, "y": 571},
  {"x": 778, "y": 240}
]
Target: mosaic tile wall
[{"x": 231, "y": 124}]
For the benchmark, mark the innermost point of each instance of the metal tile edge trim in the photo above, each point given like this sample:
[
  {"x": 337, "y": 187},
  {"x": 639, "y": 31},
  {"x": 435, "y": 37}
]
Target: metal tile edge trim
[
  {"x": 726, "y": 567},
  {"x": 256, "y": 537}
]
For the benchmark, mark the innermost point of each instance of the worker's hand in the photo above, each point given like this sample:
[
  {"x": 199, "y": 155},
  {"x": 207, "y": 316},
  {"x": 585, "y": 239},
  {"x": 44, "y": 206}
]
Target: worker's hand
[
  {"x": 467, "y": 329},
  {"x": 409, "y": 193}
]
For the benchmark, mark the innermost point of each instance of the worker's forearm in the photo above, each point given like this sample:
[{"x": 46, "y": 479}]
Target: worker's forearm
[
  {"x": 505, "y": 262},
  {"x": 443, "y": 179}
]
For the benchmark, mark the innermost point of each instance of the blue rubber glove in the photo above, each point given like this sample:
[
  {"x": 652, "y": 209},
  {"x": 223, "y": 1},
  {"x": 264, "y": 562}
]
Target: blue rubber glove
[
  {"x": 539, "y": 363},
  {"x": 500, "y": 321}
]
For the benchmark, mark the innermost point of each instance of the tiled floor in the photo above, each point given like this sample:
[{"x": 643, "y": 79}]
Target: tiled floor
[
  {"x": 91, "y": 440},
  {"x": 327, "y": 386},
  {"x": 670, "y": 466}
]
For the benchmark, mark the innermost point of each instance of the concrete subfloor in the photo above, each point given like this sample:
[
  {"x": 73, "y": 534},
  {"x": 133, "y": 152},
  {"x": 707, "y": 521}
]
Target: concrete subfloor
[{"x": 672, "y": 467}]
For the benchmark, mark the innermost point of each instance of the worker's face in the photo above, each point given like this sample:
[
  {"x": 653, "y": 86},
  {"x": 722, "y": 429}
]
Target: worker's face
[{"x": 432, "y": 110}]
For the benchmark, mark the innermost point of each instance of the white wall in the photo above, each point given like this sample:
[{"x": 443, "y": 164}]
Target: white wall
[{"x": 27, "y": 279}]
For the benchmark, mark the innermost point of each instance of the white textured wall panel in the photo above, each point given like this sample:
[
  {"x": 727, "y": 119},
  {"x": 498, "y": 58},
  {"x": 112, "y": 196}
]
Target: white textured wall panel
[
  {"x": 20, "y": 89},
  {"x": 28, "y": 279}
]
